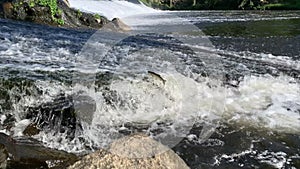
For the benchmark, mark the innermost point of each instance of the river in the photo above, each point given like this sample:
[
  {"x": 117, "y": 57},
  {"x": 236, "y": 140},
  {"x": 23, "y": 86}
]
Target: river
[{"x": 221, "y": 88}]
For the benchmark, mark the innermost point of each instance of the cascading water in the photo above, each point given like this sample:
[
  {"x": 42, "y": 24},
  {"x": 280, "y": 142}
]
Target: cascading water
[{"x": 112, "y": 8}]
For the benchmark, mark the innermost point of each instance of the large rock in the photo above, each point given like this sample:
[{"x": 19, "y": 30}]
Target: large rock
[
  {"x": 7, "y": 9},
  {"x": 27, "y": 151},
  {"x": 133, "y": 152},
  {"x": 63, "y": 15},
  {"x": 117, "y": 25}
]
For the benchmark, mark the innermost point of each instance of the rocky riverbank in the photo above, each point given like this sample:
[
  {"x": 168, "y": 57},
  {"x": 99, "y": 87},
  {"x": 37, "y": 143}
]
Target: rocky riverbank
[{"x": 50, "y": 12}]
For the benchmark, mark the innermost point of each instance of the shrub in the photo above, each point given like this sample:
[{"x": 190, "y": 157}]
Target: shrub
[
  {"x": 52, "y": 4},
  {"x": 31, "y": 4},
  {"x": 60, "y": 21}
]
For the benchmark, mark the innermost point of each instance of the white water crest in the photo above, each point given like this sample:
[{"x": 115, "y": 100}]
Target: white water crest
[{"x": 112, "y": 8}]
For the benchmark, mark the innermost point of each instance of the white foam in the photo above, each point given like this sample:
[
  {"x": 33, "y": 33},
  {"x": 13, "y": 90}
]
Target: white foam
[
  {"x": 275, "y": 159},
  {"x": 111, "y": 8},
  {"x": 261, "y": 102},
  {"x": 266, "y": 102}
]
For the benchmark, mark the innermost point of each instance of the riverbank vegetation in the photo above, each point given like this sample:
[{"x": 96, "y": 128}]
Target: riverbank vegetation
[
  {"x": 49, "y": 12},
  {"x": 224, "y": 4}
]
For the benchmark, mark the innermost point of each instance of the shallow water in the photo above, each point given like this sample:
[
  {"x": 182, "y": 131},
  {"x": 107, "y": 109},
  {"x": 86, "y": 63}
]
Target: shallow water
[{"x": 230, "y": 98}]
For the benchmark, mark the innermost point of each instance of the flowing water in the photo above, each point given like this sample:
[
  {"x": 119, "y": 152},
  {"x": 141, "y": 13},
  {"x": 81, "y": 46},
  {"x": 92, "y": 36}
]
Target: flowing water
[{"x": 221, "y": 88}]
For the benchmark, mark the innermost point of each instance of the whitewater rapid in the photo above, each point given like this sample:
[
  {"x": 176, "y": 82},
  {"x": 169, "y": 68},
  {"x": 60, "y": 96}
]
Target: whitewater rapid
[{"x": 261, "y": 102}]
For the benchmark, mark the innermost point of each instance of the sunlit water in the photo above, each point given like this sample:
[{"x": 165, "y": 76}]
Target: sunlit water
[{"x": 232, "y": 98}]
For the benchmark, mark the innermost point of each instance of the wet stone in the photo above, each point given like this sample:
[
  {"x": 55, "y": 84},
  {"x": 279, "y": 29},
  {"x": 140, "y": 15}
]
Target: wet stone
[
  {"x": 31, "y": 130},
  {"x": 3, "y": 156},
  {"x": 30, "y": 153},
  {"x": 57, "y": 115}
]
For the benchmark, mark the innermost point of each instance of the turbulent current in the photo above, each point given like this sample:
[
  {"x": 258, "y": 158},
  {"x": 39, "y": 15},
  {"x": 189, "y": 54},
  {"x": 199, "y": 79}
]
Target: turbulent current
[{"x": 220, "y": 88}]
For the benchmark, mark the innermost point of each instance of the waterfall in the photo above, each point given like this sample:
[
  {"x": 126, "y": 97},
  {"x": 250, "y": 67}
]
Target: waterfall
[{"x": 112, "y": 8}]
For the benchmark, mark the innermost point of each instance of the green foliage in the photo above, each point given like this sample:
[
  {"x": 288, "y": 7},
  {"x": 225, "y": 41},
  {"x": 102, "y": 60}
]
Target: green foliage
[
  {"x": 59, "y": 12},
  {"x": 79, "y": 13},
  {"x": 43, "y": 2},
  {"x": 252, "y": 4},
  {"x": 31, "y": 3},
  {"x": 60, "y": 21},
  {"x": 54, "y": 10},
  {"x": 97, "y": 16},
  {"x": 52, "y": 4}
]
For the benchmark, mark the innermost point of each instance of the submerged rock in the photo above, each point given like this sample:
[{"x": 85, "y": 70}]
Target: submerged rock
[
  {"x": 58, "y": 116},
  {"x": 64, "y": 114},
  {"x": 133, "y": 152}
]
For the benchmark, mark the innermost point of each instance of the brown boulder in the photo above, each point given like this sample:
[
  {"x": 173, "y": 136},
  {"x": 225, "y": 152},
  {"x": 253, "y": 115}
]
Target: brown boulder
[
  {"x": 7, "y": 9},
  {"x": 133, "y": 152}
]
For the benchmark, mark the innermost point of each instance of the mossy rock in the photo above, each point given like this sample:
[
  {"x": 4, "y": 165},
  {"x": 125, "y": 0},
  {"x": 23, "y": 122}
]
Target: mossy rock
[{"x": 49, "y": 12}]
